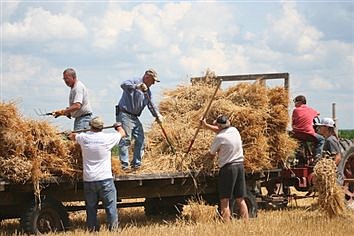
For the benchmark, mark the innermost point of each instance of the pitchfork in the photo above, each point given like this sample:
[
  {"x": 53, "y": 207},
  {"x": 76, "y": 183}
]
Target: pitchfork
[{"x": 40, "y": 113}]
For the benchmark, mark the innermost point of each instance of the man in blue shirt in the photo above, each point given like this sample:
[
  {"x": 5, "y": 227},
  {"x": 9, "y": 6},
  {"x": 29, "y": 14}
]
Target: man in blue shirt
[{"x": 136, "y": 96}]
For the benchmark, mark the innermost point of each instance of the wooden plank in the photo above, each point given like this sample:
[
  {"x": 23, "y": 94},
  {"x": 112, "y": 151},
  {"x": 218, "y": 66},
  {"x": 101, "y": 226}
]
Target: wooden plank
[{"x": 247, "y": 77}]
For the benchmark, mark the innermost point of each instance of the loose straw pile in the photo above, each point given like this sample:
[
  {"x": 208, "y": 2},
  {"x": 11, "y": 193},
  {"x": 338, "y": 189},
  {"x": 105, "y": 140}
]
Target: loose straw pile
[
  {"x": 330, "y": 194},
  {"x": 258, "y": 112},
  {"x": 32, "y": 150}
]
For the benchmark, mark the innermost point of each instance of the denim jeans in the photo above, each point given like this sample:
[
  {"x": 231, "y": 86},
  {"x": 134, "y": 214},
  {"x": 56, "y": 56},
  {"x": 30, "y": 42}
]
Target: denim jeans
[
  {"x": 133, "y": 129},
  {"x": 105, "y": 191},
  {"x": 319, "y": 144},
  {"x": 82, "y": 122}
]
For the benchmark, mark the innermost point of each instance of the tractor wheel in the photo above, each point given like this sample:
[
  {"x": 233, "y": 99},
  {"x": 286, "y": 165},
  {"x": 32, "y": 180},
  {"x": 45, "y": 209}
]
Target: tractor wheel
[
  {"x": 251, "y": 205},
  {"x": 50, "y": 217},
  {"x": 348, "y": 167}
]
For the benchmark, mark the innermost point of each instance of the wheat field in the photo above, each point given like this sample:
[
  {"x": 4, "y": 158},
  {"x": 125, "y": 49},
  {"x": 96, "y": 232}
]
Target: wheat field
[{"x": 300, "y": 218}]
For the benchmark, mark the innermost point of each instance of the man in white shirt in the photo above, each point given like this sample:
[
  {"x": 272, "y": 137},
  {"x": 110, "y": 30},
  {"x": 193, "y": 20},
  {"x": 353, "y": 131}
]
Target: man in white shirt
[
  {"x": 227, "y": 144},
  {"x": 97, "y": 171}
]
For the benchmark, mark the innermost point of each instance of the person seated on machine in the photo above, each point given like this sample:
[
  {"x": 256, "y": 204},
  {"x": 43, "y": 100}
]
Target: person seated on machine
[{"x": 302, "y": 125}]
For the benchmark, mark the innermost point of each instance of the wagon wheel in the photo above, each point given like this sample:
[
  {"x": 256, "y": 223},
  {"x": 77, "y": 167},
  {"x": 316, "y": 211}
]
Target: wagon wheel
[
  {"x": 348, "y": 163},
  {"x": 50, "y": 217},
  {"x": 164, "y": 206},
  {"x": 252, "y": 207}
]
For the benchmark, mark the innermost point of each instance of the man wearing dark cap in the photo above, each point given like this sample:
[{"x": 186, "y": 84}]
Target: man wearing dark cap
[
  {"x": 227, "y": 145},
  {"x": 302, "y": 124},
  {"x": 97, "y": 171},
  {"x": 136, "y": 96}
]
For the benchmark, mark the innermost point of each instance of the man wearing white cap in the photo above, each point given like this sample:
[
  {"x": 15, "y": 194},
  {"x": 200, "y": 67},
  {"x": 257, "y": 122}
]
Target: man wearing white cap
[
  {"x": 136, "y": 96},
  {"x": 331, "y": 146},
  {"x": 97, "y": 171}
]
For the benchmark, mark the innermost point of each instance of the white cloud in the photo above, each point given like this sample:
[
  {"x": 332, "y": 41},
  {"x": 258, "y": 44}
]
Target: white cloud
[
  {"x": 116, "y": 40},
  {"x": 292, "y": 32},
  {"x": 19, "y": 70},
  {"x": 8, "y": 8},
  {"x": 113, "y": 23},
  {"x": 321, "y": 83},
  {"x": 41, "y": 25}
]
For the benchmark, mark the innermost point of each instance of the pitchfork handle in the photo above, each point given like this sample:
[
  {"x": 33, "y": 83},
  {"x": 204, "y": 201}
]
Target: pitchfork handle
[{"x": 204, "y": 115}]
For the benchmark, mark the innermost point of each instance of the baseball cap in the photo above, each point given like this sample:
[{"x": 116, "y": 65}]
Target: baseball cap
[
  {"x": 96, "y": 122},
  {"x": 223, "y": 121},
  {"x": 326, "y": 122},
  {"x": 152, "y": 73}
]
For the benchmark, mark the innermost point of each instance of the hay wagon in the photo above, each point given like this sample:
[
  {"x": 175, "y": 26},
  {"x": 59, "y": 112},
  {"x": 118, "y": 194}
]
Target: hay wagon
[{"x": 161, "y": 193}]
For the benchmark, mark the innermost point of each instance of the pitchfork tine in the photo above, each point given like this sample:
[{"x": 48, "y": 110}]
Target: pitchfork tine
[
  {"x": 40, "y": 113},
  {"x": 37, "y": 112}
]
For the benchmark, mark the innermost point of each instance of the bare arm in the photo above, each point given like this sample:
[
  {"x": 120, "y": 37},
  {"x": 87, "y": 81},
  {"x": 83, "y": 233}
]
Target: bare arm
[
  {"x": 214, "y": 128},
  {"x": 120, "y": 130},
  {"x": 74, "y": 107},
  {"x": 72, "y": 136},
  {"x": 337, "y": 158}
]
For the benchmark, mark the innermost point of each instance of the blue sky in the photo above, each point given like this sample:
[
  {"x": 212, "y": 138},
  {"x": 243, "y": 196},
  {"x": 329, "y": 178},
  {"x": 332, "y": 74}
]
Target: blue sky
[{"x": 108, "y": 42}]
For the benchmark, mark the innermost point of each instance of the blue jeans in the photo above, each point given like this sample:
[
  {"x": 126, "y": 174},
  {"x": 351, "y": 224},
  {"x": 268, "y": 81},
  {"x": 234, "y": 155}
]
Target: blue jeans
[
  {"x": 133, "y": 129},
  {"x": 82, "y": 122},
  {"x": 105, "y": 191},
  {"x": 319, "y": 144}
]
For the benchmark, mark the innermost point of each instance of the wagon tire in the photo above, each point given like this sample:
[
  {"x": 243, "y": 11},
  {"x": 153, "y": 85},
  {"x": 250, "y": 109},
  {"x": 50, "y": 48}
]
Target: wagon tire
[
  {"x": 163, "y": 206},
  {"x": 348, "y": 169},
  {"x": 251, "y": 206},
  {"x": 50, "y": 217}
]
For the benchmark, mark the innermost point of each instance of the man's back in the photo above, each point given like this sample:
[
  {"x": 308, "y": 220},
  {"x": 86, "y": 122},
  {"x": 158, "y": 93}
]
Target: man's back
[
  {"x": 302, "y": 119},
  {"x": 96, "y": 151},
  {"x": 228, "y": 144}
]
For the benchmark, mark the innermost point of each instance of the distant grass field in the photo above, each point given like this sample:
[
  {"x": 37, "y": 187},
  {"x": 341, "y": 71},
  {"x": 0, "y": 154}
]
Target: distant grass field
[{"x": 346, "y": 133}]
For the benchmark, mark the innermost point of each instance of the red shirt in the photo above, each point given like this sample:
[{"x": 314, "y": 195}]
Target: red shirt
[{"x": 302, "y": 119}]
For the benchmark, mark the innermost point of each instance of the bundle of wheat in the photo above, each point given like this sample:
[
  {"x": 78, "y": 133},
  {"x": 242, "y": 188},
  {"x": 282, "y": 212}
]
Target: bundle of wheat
[
  {"x": 330, "y": 194},
  {"x": 197, "y": 211},
  {"x": 32, "y": 150}
]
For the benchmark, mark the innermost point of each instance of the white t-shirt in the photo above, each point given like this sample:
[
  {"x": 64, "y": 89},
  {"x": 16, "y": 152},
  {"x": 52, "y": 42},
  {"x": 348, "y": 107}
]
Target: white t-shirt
[
  {"x": 228, "y": 145},
  {"x": 79, "y": 94},
  {"x": 96, "y": 154}
]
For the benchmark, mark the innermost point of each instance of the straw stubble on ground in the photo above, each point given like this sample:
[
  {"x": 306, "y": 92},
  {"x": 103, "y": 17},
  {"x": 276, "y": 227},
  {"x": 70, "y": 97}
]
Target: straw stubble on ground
[{"x": 300, "y": 218}]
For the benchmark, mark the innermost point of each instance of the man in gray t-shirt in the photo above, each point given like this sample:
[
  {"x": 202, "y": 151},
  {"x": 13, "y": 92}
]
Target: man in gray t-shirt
[{"x": 79, "y": 105}]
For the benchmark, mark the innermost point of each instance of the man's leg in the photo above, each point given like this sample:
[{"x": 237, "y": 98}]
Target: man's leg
[
  {"x": 226, "y": 181},
  {"x": 243, "y": 207},
  {"x": 91, "y": 203},
  {"x": 240, "y": 190},
  {"x": 225, "y": 209},
  {"x": 124, "y": 143},
  {"x": 108, "y": 195},
  {"x": 138, "y": 134}
]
